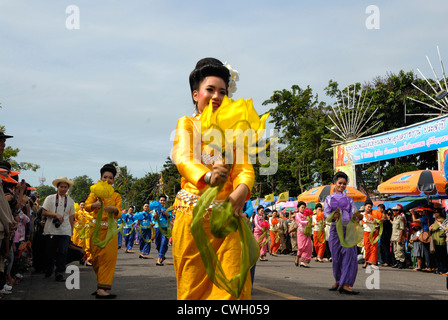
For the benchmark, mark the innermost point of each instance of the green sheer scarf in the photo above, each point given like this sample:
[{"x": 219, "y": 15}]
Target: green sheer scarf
[
  {"x": 380, "y": 223},
  {"x": 277, "y": 237},
  {"x": 222, "y": 222},
  {"x": 354, "y": 232},
  {"x": 84, "y": 233},
  {"x": 167, "y": 232},
  {"x": 309, "y": 227},
  {"x": 153, "y": 233},
  {"x": 121, "y": 228},
  {"x": 265, "y": 237},
  {"x": 321, "y": 229},
  {"x": 112, "y": 229}
]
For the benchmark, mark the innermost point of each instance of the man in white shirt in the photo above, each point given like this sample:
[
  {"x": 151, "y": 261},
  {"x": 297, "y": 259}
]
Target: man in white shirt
[{"x": 59, "y": 210}]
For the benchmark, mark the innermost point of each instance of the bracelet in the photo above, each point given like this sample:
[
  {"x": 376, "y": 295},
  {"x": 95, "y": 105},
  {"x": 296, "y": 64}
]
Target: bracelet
[{"x": 207, "y": 177}]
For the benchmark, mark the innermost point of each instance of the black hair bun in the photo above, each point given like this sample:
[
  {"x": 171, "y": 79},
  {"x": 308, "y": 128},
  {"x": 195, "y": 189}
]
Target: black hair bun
[
  {"x": 208, "y": 67},
  {"x": 109, "y": 168},
  {"x": 338, "y": 175}
]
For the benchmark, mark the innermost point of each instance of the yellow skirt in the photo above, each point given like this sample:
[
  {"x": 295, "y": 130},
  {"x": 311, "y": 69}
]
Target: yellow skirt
[
  {"x": 104, "y": 260},
  {"x": 192, "y": 280},
  {"x": 75, "y": 236}
]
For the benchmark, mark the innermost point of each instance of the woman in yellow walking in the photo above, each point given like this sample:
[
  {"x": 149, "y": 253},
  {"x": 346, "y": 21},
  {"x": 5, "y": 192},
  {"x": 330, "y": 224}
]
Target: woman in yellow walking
[
  {"x": 202, "y": 167},
  {"x": 104, "y": 246},
  {"x": 88, "y": 217},
  {"x": 77, "y": 239}
]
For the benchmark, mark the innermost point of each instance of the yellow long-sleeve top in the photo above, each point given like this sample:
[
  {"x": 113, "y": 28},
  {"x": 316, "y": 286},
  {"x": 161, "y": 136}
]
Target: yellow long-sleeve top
[
  {"x": 114, "y": 200},
  {"x": 80, "y": 217},
  {"x": 194, "y": 159}
]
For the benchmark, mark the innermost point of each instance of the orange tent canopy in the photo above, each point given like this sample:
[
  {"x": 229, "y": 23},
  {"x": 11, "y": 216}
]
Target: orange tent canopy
[{"x": 421, "y": 182}]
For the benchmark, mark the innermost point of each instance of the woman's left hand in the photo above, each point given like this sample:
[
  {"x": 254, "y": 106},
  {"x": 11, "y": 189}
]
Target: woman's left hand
[
  {"x": 111, "y": 209},
  {"x": 237, "y": 198}
]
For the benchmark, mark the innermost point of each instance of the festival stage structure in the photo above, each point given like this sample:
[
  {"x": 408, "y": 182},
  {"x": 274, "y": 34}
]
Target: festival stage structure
[{"x": 354, "y": 148}]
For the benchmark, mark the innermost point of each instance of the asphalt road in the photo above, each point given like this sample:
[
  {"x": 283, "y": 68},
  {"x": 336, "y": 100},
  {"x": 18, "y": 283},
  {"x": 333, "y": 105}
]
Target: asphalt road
[{"x": 275, "y": 280}]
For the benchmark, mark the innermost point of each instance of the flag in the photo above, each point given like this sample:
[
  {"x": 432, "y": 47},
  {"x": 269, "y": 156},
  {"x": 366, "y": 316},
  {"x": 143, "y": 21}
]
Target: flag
[
  {"x": 283, "y": 196},
  {"x": 269, "y": 198}
]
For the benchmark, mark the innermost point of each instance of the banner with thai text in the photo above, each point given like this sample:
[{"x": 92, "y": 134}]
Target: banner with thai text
[{"x": 420, "y": 137}]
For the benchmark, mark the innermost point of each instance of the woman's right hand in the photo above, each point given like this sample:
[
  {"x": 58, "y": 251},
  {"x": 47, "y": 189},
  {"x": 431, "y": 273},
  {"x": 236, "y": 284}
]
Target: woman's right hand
[
  {"x": 59, "y": 217},
  {"x": 336, "y": 215},
  {"x": 220, "y": 174},
  {"x": 96, "y": 204}
]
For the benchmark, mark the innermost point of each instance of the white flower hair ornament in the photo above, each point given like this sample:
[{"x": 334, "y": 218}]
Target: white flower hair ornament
[{"x": 234, "y": 77}]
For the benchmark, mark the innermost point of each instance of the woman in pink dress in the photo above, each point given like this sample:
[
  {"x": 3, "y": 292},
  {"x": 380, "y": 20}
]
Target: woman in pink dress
[
  {"x": 304, "y": 243},
  {"x": 259, "y": 231}
]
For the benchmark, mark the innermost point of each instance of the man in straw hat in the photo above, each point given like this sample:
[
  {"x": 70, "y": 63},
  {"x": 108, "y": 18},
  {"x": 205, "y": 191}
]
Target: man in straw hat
[{"x": 59, "y": 210}]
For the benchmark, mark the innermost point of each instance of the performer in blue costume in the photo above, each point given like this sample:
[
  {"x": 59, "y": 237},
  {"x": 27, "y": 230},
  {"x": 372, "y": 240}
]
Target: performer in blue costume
[
  {"x": 120, "y": 235},
  {"x": 145, "y": 221},
  {"x": 161, "y": 218},
  {"x": 128, "y": 229}
]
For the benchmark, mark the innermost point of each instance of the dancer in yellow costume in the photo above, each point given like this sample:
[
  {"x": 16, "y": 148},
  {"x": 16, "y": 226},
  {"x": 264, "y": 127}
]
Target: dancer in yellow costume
[
  {"x": 88, "y": 217},
  {"x": 104, "y": 259},
  {"x": 79, "y": 225},
  {"x": 209, "y": 82}
]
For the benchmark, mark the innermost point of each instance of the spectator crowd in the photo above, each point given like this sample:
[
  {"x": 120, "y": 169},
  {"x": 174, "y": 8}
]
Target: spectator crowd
[
  {"x": 47, "y": 236},
  {"x": 397, "y": 238}
]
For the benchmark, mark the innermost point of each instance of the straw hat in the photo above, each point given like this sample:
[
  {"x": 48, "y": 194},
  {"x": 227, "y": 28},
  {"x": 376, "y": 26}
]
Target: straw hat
[{"x": 63, "y": 179}]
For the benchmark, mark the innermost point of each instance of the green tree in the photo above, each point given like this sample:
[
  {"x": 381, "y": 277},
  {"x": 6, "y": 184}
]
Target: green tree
[
  {"x": 123, "y": 183},
  {"x": 81, "y": 188},
  {"x": 45, "y": 191},
  {"x": 390, "y": 95},
  {"x": 305, "y": 159},
  {"x": 10, "y": 153},
  {"x": 145, "y": 189},
  {"x": 171, "y": 179}
]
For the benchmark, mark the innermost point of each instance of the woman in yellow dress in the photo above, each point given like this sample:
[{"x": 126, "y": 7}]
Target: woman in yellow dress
[
  {"x": 209, "y": 83},
  {"x": 104, "y": 259},
  {"x": 79, "y": 225},
  {"x": 88, "y": 217}
]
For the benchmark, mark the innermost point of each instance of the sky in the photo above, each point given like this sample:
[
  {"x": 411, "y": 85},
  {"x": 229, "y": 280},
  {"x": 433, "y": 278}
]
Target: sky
[{"x": 109, "y": 80}]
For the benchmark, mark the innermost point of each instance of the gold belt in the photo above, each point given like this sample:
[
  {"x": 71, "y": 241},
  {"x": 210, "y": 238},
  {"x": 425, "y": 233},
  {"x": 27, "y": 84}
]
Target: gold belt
[
  {"x": 191, "y": 199},
  {"x": 103, "y": 223}
]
